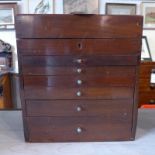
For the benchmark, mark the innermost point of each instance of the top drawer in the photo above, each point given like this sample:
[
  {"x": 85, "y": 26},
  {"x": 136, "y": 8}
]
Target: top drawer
[{"x": 78, "y": 26}]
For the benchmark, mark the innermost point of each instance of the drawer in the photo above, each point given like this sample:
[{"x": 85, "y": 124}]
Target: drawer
[
  {"x": 68, "y": 61},
  {"x": 79, "y": 107},
  {"x": 79, "y": 128},
  {"x": 104, "y": 70},
  {"x": 79, "y": 81},
  {"x": 75, "y": 26},
  {"x": 75, "y": 93},
  {"x": 145, "y": 70},
  {"x": 145, "y": 85},
  {"x": 147, "y": 97},
  {"x": 79, "y": 46}
]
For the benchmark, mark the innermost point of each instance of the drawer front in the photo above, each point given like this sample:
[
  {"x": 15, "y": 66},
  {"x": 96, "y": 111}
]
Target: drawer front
[
  {"x": 79, "y": 128},
  {"x": 67, "y": 61},
  {"x": 147, "y": 97},
  {"x": 80, "y": 81},
  {"x": 75, "y": 93},
  {"x": 145, "y": 85},
  {"x": 146, "y": 69},
  {"x": 79, "y": 107},
  {"x": 104, "y": 70},
  {"x": 79, "y": 46},
  {"x": 75, "y": 26}
]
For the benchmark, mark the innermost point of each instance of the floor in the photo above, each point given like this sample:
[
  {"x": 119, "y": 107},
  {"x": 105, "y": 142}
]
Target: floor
[{"x": 12, "y": 140}]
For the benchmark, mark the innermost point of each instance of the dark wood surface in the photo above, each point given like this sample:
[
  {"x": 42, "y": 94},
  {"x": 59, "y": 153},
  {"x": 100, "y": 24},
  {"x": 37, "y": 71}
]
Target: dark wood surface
[
  {"x": 79, "y": 46},
  {"x": 146, "y": 89},
  {"x": 76, "y": 108},
  {"x": 78, "y": 26},
  {"x": 71, "y": 93},
  {"x": 104, "y": 56},
  {"x": 105, "y": 71},
  {"x": 114, "y": 127},
  {"x": 90, "y": 61}
]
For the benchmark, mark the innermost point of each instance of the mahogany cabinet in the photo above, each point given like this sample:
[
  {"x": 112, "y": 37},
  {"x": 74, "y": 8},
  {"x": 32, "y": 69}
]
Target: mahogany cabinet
[
  {"x": 146, "y": 88},
  {"x": 79, "y": 76}
]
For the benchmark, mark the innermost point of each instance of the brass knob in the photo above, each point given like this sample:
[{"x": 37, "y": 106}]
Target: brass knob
[
  {"x": 79, "y": 130},
  {"x": 79, "y": 82},
  {"x": 78, "y": 109},
  {"x": 79, "y": 70},
  {"x": 79, "y": 93}
]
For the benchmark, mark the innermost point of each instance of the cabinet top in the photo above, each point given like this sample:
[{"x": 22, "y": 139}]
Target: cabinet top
[{"x": 78, "y": 26}]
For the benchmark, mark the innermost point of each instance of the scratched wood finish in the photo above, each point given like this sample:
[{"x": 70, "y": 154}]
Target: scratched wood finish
[
  {"x": 146, "y": 89},
  {"x": 101, "y": 51}
]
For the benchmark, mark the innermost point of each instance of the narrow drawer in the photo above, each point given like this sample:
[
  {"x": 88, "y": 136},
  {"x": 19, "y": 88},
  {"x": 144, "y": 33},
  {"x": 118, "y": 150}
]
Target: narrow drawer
[
  {"x": 125, "y": 79},
  {"x": 104, "y": 70},
  {"x": 75, "y": 93},
  {"x": 114, "y": 108},
  {"x": 79, "y": 128},
  {"x": 79, "y": 46},
  {"x": 69, "y": 61}
]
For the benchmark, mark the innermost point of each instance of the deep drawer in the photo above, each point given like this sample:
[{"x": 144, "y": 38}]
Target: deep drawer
[
  {"x": 75, "y": 93},
  {"x": 105, "y": 108},
  {"x": 104, "y": 70},
  {"x": 125, "y": 79},
  {"x": 79, "y": 128},
  {"x": 69, "y": 61},
  {"x": 79, "y": 46}
]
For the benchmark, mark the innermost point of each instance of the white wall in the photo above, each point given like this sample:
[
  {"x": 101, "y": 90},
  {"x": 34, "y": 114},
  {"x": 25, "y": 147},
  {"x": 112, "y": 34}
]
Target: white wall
[{"x": 9, "y": 36}]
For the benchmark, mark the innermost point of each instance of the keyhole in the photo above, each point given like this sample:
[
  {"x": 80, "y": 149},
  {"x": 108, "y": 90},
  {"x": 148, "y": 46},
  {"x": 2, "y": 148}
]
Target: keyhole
[{"x": 80, "y": 45}]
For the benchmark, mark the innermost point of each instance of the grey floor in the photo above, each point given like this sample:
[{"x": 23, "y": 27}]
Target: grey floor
[{"x": 12, "y": 140}]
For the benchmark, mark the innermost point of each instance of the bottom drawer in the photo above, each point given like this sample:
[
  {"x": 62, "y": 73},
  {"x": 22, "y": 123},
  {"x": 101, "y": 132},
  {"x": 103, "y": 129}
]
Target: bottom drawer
[{"x": 59, "y": 129}]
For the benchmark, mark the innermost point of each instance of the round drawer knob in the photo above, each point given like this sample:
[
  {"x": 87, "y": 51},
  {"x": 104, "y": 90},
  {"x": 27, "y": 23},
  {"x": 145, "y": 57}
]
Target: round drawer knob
[
  {"x": 79, "y": 61},
  {"x": 78, "y": 109},
  {"x": 78, "y": 93},
  {"x": 79, "y": 70},
  {"x": 79, "y": 130},
  {"x": 79, "y": 82}
]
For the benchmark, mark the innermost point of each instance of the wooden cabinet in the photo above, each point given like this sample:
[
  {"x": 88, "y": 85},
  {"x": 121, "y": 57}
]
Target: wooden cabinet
[
  {"x": 79, "y": 76},
  {"x": 146, "y": 88},
  {"x": 5, "y": 91}
]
